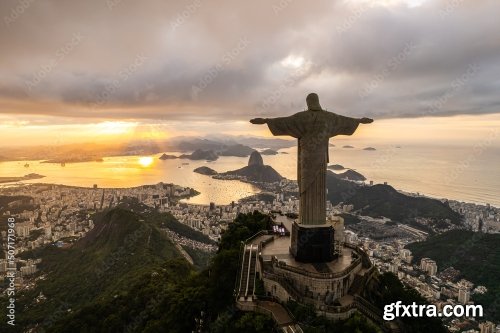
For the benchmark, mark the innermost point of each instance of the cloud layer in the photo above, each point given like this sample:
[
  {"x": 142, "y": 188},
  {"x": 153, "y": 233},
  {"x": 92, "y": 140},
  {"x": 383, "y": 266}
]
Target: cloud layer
[{"x": 200, "y": 60}]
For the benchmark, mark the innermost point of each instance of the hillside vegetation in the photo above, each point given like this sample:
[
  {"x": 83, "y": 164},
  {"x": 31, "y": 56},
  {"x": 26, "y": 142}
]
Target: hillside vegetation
[
  {"x": 476, "y": 255},
  {"x": 126, "y": 276},
  {"x": 384, "y": 200}
]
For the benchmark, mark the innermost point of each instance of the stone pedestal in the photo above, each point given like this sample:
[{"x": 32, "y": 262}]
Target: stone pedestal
[{"x": 312, "y": 243}]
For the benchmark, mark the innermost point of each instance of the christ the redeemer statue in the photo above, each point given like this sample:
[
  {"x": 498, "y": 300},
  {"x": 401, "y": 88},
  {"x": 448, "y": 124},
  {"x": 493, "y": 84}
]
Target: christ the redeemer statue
[{"x": 313, "y": 128}]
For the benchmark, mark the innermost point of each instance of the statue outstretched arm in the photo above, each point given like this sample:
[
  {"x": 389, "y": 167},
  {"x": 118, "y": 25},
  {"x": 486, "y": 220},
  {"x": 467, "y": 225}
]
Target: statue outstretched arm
[
  {"x": 342, "y": 125},
  {"x": 282, "y": 125},
  {"x": 258, "y": 121},
  {"x": 365, "y": 120}
]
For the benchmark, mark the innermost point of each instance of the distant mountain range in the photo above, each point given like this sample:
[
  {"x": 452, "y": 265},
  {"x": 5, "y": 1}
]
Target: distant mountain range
[
  {"x": 255, "y": 142},
  {"x": 168, "y": 157},
  {"x": 227, "y": 143},
  {"x": 200, "y": 154},
  {"x": 223, "y": 145},
  {"x": 237, "y": 150}
]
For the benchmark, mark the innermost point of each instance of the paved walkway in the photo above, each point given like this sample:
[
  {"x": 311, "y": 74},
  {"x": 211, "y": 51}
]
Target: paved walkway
[{"x": 279, "y": 313}]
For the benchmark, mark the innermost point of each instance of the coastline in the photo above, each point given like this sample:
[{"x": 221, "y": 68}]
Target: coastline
[
  {"x": 118, "y": 172},
  {"x": 30, "y": 176},
  {"x": 260, "y": 186}
]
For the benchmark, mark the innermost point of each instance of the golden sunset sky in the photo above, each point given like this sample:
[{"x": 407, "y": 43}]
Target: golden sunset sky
[{"x": 118, "y": 70}]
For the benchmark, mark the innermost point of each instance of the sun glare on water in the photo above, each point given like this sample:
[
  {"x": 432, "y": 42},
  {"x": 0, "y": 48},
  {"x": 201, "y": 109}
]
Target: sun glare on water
[{"x": 145, "y": 161}]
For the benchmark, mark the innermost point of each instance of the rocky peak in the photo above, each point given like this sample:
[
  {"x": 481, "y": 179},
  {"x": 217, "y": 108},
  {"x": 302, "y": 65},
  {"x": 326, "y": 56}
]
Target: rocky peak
[{"x": 255, "y": 159}]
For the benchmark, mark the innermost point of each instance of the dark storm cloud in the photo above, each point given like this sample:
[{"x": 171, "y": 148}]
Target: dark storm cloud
[{"x": 210, "y": 60}]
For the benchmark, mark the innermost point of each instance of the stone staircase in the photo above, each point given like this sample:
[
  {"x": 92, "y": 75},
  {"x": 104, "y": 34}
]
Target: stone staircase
[{"x": 247, "y": 277}]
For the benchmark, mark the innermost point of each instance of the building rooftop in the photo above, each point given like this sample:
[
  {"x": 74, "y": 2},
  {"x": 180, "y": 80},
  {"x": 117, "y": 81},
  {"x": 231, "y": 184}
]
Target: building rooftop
[{"x": 280, "y": 248}]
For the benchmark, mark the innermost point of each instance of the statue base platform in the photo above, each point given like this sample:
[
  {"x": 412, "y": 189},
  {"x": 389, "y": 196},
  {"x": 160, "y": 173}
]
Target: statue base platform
[{"x": 312, "y": 243}]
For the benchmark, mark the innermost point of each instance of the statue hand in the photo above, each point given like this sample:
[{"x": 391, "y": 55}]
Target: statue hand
[
  {"x": 366, "y": 120},
  {"x": 258, "y": 121}
]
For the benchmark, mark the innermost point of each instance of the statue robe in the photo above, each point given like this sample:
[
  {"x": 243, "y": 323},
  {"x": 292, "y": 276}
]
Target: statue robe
[{"x": 313, "y": 130}]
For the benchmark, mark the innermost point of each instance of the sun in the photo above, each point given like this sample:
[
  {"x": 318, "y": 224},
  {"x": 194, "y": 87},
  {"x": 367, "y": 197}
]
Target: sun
[
  {"x": 145, "y": 161},
  {"x": 293, "y": 62},
  {"x": 115, "y": 127}
]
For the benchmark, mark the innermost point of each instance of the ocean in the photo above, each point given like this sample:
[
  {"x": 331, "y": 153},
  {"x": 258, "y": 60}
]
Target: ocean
[{"x": 459, "y": 173}]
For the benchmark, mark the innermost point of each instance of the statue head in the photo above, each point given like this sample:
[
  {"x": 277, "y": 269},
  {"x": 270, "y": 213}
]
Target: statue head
[{"x": 312, "y": 101}]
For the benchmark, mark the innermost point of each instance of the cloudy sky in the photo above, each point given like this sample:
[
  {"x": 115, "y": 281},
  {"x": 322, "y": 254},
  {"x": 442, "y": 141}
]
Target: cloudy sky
[{"x": 83, "y": 69}]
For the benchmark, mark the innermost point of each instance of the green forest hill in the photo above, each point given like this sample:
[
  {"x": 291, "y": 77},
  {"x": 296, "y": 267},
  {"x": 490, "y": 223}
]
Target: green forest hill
[
  {"x": 383, "y": 200},
  {"x": 475, "y": 255},
  {"x": 126, "y": 276}
]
